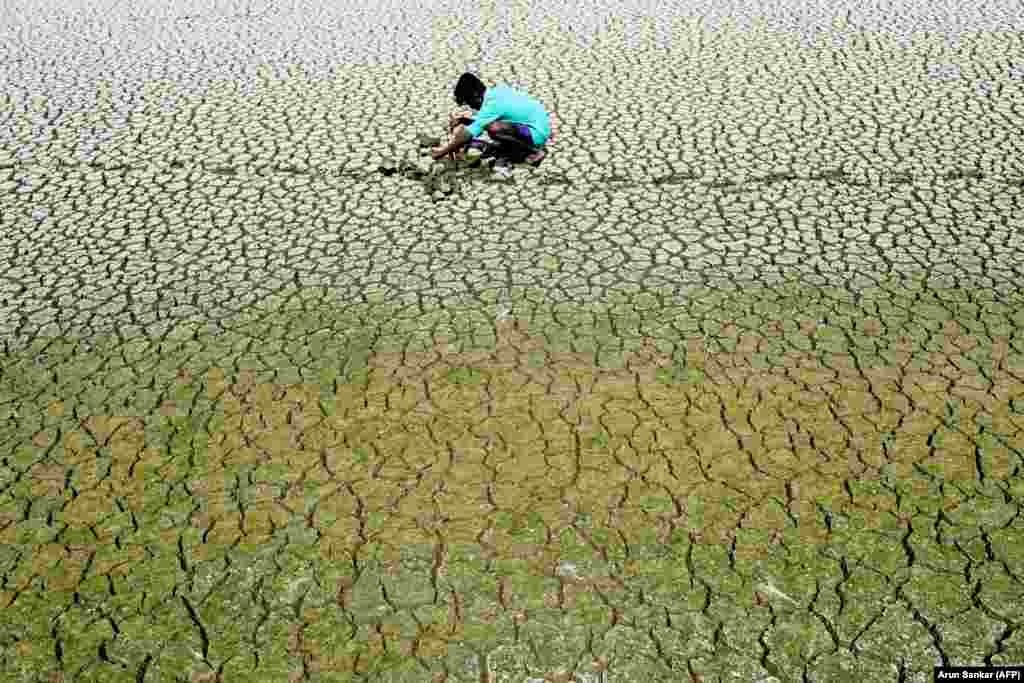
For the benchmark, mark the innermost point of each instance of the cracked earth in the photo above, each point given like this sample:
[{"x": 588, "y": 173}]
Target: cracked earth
[{"x": 730, "y": 388}]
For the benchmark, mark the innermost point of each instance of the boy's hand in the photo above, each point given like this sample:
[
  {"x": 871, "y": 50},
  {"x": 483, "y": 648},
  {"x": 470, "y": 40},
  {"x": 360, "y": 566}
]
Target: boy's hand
[
  {"x": 460, "y": 136},
  {"x": 457, "y": 118}
]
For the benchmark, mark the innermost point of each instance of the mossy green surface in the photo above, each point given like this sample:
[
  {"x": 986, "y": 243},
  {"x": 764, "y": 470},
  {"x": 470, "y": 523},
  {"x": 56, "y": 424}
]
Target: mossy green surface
[{"x": 780, "y": 482}]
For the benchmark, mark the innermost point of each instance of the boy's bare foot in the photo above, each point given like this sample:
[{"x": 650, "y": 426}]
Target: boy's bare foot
[{"x": 537, "y": 157}]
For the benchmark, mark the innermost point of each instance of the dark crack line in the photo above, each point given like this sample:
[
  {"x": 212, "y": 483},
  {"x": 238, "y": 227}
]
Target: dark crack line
[
  {"x": 263, "y": 618},
  {"x": 58, "y": 648},
  {"x": 854, "y": 646},
  {"x": 662, "y": 655},
  {"x": 204, "y": 638},
  {"x": 105, "y": 656},
  {"x": 691, "y": 569},
  {"x": 706, "y": 605},
  {"x": 1000, "y": 645},
  {"x": 990, "y": 554},
  {"x": 932, "y": 629},
  {"x": 1008, "y": 625},
  {"x": 182, "y": 556},
  {"x": 840, "y": 592},
  {"x": 829, "y": 626},
  {"x": 765, "y": 659},
  {"x": 901, "y": 671},
  {"x": 409, "y": 171},
  {"x": 140, "y": 673},
  {"x": 908, "y": 549},
  {"x": 826, "y": 517}
]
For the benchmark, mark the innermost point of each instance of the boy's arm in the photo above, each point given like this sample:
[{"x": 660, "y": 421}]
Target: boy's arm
[
  {"x": 463, "y": 134},
  {"x": 459, "y": 118},
  {"x": 489, "y": 113},
  {"x": 460, "y": 136}
]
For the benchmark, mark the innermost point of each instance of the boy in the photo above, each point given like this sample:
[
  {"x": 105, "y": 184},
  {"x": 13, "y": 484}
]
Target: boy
[{"x": 517, "y": 124}]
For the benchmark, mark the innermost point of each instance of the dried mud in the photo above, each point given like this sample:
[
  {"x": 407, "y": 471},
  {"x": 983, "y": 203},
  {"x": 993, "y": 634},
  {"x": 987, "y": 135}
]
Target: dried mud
[{"x": 788, "y": 496}]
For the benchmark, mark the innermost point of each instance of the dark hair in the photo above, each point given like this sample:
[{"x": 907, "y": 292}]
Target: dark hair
[{"x": 469, "y": 90}]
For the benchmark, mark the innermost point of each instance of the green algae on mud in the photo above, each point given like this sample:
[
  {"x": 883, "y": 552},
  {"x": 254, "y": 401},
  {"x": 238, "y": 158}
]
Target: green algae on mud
[{"x": 740, "y": 483}]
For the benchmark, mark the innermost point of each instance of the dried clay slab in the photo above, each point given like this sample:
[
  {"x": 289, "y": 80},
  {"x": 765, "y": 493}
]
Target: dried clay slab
[{"x": 424, "y": 140}]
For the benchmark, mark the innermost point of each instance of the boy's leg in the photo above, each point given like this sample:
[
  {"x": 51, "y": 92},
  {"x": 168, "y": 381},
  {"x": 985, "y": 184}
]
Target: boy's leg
[
  {"x": 453, "y": 122},
  {"x": 476, "y": 148},
  {"x": 513, "y": 141}
]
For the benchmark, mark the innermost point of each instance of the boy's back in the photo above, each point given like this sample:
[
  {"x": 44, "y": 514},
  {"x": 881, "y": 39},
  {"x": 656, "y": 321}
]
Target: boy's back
[{"x": 507, "y": 104}]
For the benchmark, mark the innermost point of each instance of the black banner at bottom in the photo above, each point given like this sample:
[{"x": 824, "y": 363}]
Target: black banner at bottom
[{"x": 979, "y": 673}]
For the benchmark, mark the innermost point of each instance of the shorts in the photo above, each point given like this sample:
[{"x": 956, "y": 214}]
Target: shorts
[{"x": 525, "y": 133}]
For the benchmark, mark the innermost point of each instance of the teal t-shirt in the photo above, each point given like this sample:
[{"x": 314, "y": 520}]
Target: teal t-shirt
[{"x": 505, "y": 104}]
